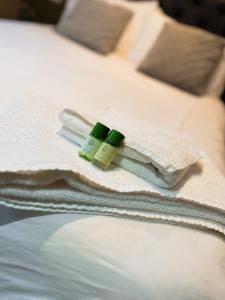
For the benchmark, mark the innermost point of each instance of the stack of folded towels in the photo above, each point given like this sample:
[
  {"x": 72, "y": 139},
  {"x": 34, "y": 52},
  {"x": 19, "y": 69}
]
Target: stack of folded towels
[
  {"x": 157, "y": 176},
  {"x": 157, "y": 156}
]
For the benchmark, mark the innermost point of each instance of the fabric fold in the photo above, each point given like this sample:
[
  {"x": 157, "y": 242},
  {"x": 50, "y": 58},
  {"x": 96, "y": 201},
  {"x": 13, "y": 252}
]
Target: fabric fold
[{"x": 69, "y": 194}]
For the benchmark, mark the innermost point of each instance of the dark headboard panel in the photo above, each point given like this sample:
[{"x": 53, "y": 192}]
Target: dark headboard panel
[
  {"x": 207, "y": 14},
  {"x": 43, "y": 11}
]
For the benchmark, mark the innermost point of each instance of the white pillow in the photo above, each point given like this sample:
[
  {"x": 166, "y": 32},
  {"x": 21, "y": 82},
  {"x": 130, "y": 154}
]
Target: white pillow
[
  {"x": 156, "y": 21},
  {"x": 217, "y": 83},
  {"x": 147, "y": 38},
  {"x": 69, "y": 6},
  {"x": 141, "y": 11}
]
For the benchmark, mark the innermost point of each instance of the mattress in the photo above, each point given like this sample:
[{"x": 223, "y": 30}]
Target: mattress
[{"x": 96, "y": 257}]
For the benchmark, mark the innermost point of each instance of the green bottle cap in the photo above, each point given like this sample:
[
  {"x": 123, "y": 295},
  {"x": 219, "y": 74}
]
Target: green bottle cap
[
  {"x": 115, "y": 138},
  {"x": 100, "y": 131}
]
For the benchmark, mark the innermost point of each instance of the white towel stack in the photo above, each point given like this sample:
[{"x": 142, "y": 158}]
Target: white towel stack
[
  {"x": 157, "y": 156},
  {"x": 40, "y": 171}
]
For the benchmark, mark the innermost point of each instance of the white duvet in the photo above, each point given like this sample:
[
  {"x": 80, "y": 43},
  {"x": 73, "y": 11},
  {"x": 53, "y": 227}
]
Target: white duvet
[{"x": 103, "y": 257}]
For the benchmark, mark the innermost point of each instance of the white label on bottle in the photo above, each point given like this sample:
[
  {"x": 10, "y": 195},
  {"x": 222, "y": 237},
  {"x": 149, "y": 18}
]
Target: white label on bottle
[{"x": 91, "y": 145}]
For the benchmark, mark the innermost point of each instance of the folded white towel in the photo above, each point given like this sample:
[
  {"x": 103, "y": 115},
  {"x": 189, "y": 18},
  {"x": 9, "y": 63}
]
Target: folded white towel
[
  {"x": 60, "y": 191},
  {"x": 147, "y": 171},
  {"x": 154, "y": 155},
  {"x": 39, "y": 171}
]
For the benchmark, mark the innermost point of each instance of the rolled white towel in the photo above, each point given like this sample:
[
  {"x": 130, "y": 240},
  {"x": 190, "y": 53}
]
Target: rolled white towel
[{"x": 157, "y": 156}]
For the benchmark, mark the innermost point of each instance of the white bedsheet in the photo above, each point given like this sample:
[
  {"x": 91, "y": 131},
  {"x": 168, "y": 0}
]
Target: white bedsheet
[
  {"x": 103, "y": 258},
  {"x": 160, "y": 261},
  {"x": 36, "y": 58}
]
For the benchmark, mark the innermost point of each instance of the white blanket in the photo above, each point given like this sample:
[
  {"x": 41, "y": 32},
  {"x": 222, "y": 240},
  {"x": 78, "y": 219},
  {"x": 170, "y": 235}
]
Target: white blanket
[
  {"x": 107, "y": 258},
  {"x": 34, "y": 56},
  {"x": 33, "y": 155}
]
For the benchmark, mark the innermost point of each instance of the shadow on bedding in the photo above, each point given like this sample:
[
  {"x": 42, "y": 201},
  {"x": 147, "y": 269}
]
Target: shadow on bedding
[{"x": 9, "y": 215}]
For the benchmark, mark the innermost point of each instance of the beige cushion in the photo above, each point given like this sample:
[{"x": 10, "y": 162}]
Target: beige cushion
[
  {"x": 184, "y": 57},
  {"x": 95, "y": 24}
]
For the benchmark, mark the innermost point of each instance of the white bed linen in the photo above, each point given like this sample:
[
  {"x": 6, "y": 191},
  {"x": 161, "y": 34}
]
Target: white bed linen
[
  {"x": 103, "y": 258},
  {"x": 159, "y": 261},
  {"x": 36, "y": 58}
]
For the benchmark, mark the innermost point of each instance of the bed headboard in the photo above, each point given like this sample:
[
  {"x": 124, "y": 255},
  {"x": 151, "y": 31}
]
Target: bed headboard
[
  {"x": 206, "y": 14},
  {"x": 43, "y": 11}
]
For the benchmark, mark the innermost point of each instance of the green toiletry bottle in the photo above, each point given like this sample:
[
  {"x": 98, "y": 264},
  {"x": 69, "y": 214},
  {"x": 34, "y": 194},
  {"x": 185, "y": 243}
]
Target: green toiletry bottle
[
  {"x": 92, "y": 143},
  {"x": 108, "y": 149}
]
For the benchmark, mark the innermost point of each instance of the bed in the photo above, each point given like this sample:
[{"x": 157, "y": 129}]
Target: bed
[{"x": 86, "y": 256}]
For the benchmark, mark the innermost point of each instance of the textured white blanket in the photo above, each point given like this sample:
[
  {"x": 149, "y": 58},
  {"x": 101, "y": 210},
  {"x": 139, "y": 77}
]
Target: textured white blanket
[{"x": 40, "y": 171}]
